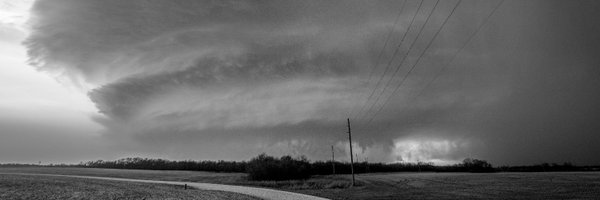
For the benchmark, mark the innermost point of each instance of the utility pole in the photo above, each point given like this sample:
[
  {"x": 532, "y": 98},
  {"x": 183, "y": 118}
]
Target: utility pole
[
  {"x": 332, "y": 159},
  {"x": 351, "y": 158},
  {"x": 367, "y": 164}
]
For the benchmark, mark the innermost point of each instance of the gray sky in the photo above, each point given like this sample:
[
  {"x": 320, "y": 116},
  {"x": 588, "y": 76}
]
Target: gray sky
[{"x": 86, "y": 79}]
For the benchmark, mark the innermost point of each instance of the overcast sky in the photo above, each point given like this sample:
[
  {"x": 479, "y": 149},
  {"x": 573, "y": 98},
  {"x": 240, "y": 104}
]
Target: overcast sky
[{"x": 511, "y": 82}]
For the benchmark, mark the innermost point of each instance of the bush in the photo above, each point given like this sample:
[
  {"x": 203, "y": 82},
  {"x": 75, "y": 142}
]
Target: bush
[
  {"x": 476, "y": 165},
  {"x": 264, "y": 167}
]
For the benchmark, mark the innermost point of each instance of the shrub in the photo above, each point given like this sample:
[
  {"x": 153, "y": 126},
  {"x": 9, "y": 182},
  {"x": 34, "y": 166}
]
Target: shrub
[
  {"x": 476, "y": 165},
  {"x": 264, "y": 167}
]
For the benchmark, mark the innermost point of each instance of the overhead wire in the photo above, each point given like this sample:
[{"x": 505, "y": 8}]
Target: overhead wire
[
  {"x": 390, "y": 61},
  {"x": 468, "y": 41},
  {"x": 419, "y": 34},
  {"x": 373, "y": 69},
  {"x": 416, "y": 62},
  {"x": 465, "y": 44}
]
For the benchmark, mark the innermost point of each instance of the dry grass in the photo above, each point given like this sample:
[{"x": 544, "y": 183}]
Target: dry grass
[
  {"x": 163, "y": 175},
  {"x": 32, "y": 187},
  {"x": 551, "y": 185}
]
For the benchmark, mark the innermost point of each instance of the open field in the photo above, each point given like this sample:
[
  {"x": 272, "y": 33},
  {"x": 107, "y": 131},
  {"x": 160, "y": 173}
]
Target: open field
[
  {"x": 51, "y": 187},
  {"x": 551, "y": 185},
  {"x": 163, "y": 175}
]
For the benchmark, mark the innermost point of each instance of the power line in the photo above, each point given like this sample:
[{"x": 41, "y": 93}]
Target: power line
[
  {"x": 417, "y": 62},
  {"x": 470, "y": 38},
  {"x": 386, "y": 42},
  {"x": 381, "y": 53},
  {"x": 465, "y": 44},
  {"x": 391, "y": 59},
  {"x": 419, "y": 34}
]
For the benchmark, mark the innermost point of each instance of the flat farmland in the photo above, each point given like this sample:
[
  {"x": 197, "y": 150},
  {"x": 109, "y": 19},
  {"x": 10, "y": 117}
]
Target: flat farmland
[
  {"x": 546, "y": 185},
  {"x": 34, "y": 187},
  {"x": 162, "y": 175}
]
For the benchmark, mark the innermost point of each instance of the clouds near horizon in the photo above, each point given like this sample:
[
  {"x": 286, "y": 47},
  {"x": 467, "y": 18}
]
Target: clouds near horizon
[{"x": 176, "y": 78}]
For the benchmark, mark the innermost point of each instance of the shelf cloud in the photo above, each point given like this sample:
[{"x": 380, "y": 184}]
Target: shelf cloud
[{"x": 195, "y": 79}]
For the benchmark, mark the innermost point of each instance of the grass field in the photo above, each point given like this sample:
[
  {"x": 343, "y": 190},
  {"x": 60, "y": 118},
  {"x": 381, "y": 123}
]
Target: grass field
[
  {"x": 551, "y": 185},
  {"x": 29, "y": 187}
]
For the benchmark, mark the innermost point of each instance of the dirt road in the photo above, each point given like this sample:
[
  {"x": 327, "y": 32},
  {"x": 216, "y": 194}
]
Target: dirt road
[{"x": 252, "y": 191}]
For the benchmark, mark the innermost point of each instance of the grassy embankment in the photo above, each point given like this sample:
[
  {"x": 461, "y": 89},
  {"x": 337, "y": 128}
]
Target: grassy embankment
[
  {"x": 545, "y": 185},
  {"x": 33, "y": 187}
]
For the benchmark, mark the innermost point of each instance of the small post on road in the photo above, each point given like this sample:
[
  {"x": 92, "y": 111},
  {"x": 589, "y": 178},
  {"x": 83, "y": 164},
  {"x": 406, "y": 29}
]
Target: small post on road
[
  {"x": 185, "y": 187},
  {"x": 351, "y": 158}
]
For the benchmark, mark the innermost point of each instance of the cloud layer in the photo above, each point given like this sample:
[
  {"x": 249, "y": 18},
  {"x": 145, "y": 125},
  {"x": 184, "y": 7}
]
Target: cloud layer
[{"x": 175, "y": 78}]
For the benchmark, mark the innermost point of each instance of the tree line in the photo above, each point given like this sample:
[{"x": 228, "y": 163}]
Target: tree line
[
  {"x": 162, "y": 164},
  {"x": 265, "y": 167}
]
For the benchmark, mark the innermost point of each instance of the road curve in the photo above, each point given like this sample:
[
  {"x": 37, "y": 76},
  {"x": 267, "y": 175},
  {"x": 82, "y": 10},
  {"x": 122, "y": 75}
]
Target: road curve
[{"x": 252, "y": 191}]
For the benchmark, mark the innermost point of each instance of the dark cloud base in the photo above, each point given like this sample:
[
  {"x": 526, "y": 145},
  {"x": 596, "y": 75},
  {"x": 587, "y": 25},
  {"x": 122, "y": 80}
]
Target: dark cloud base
[{"x": 230, "y": 79}]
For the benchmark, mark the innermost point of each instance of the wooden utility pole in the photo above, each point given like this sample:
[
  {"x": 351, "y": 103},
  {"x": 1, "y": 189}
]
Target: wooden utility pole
[
  {"x": 351, "y": 158},
  {"x": 367, "y": 164},
  {"x": 332, "y": 159}
]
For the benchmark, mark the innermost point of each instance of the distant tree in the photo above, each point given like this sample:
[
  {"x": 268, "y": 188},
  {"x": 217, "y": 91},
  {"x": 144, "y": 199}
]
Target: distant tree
[
  {"x": 264, "y": 167},
  {"x": 161, "y": 164},
  {"x": 476, "y": 165}
]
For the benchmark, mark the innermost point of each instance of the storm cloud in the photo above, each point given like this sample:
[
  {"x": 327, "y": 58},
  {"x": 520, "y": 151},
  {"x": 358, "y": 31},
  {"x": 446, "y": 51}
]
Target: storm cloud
[{"x": 230, "y": 79}]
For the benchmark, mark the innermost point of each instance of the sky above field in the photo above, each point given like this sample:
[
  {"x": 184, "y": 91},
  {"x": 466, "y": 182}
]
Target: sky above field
[{"x": 511, "y": 82}]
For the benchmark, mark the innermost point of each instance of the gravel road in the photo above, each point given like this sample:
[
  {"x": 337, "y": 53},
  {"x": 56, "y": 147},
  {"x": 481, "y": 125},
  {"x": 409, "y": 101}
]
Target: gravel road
[{"x": 252, "y": 191}]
